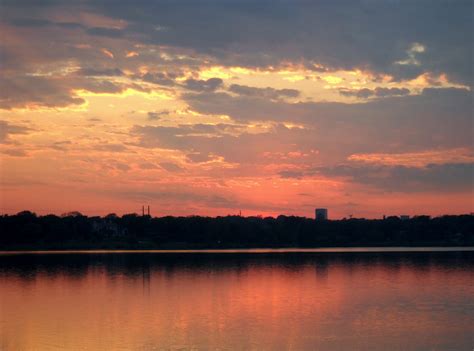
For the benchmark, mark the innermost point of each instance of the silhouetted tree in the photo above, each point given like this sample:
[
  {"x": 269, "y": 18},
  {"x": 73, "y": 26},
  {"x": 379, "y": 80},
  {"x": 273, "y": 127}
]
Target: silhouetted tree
[{"x": 27, "y": 230}]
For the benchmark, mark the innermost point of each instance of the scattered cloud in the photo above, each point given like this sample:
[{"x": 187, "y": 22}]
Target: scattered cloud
[
  {"x": 187, "y": 196},
  {"x": 106, "y": 32},
  {"x": 458, "y": 177},
  {"x": 61, "y": 145},
  {"x": 111, "y": 147},
  {"x": 291, "y": 174},
  {"x": 255, "y": 100},
  {"x": 147, "y": 165},
  {"x": 153, "y": 116},
  {"x": 417, "y": 159},
  {"x": 197, "y": 157},
  {"x": 107, "y": 53},
  {"x": 22, "y": 92},
  {"x": 170, "y": 167},
  {"x": 210, "y": 84},
  {"x": 160, "y": 78},
  {"x": 8, "y": 129},
  {"x": 377, "y": 92},
  {"x": 413, "y": 53},
  {"x": 15, "y": 152},
  {"x": 104, "y": 72},
  {"x": 266, "y": 93}
]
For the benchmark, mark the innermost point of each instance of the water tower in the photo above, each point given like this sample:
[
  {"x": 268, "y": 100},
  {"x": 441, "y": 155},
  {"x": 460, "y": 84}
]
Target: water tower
[{"x": 321, "y": 214}]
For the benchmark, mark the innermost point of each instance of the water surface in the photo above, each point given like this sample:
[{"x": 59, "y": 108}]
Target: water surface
[{"x": 333, "y": 299}]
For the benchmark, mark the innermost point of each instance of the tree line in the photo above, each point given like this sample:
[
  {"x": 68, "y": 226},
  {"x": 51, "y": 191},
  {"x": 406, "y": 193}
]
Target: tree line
[{"x": 26, "y": 230}]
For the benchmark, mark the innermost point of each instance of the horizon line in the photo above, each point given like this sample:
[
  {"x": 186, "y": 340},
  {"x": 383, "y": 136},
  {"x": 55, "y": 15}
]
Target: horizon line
[{"x": 350, "y": 217}]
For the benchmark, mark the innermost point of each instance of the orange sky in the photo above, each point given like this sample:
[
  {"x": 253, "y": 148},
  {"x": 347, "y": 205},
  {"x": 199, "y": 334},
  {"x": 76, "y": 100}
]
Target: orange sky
[{"x": 103, "y": 110}]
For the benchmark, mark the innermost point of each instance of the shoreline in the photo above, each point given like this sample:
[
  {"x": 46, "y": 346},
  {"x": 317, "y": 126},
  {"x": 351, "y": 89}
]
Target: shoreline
[{"x": 378, "y": 249}]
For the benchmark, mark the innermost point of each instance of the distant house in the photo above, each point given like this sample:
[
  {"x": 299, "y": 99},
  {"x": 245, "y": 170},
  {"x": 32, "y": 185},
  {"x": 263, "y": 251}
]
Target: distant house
[{"x": 107, "y": 226}]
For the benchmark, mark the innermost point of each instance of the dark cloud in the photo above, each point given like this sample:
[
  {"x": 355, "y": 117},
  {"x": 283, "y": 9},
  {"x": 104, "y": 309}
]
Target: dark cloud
[
  {"x": 159, "y": 78},
  {"x": 176, "y": 138},
  {"x": 153, "y": 116},
  {"x": 447, "y": 177},
  {"x": 105, "y": 32},
  {"x": 433, "y": 177},
  {"x": 105, "y": 72},
  {"x": 147, "y": 165},
  {"x": 43, "y": 22},
  {"x": 267, "y": 93},
  {"x": 197, "y": 157},
  {"x": 203, "y": 85},
  {"x": 170, "y": 167},
  {"x": 101, "y": 86},
  {"x": 111, "y": 147},
  {"x": 291, "y": 174},
  {"x": 40, "y": 91},
  {"x": 115, "y": 166},
  {"x": 188, "y": 195},
  {"x": 377, "y": 92},
  {"x": 241, "y": 108},
  {"x": 361, "y": 34},
  {"x": 247, "y": 149},
  {"x": 30, "y": 22},
  {"x": 347, "y": 34},
  {"x": 69, "y": 25},
  {"x": 181, "y": 136},
  {"x": 122, "y": 167},
  {"x": 200, "y": 140},
  {"x": 15, "y": 152},
  {"x": 436, "y": 118},
  {"x": 93, "y": 31},
  {"x": 372, "y": 36},
  {"x": 7, "y": 129},
  {"x": 37, "y": 91},
  {"x": 61, "y": 145}
]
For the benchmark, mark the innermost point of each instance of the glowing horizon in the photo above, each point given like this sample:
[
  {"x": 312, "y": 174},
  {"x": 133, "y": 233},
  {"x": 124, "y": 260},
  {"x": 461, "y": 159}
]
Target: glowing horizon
[{"x": 207, "y": 109}]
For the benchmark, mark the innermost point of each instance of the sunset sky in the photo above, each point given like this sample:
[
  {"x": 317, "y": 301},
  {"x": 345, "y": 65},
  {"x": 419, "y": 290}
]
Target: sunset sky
[{"x": 212, "y": 107}]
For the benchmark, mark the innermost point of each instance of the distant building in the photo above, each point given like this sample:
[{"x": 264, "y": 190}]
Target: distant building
[
  {"x": 107, "y": 226},
  {"x": 404, "y": 217},
  {"x": 321, "y": 214}
]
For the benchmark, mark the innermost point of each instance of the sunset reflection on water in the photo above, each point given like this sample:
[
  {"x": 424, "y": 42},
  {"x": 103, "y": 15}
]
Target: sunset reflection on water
[{"x": 294, "y": 301}]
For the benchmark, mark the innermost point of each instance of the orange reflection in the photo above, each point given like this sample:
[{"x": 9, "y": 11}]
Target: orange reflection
[{"x": 328, "y": 302}]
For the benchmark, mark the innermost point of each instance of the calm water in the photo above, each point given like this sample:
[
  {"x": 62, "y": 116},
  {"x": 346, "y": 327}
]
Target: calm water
[{"x": 237, "y": 301}]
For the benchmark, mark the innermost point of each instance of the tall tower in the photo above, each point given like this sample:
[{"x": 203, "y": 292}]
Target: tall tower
[{"x": 321, "y": 214}]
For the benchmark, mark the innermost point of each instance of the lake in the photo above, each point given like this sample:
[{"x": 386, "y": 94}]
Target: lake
[{"x": 330, "y": 299}]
